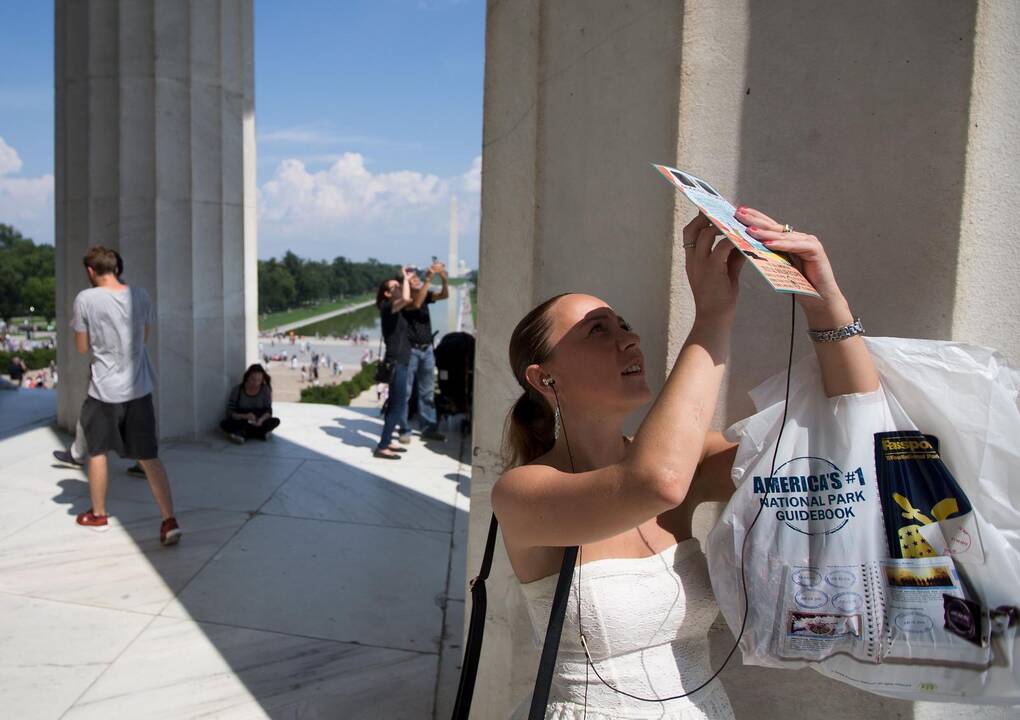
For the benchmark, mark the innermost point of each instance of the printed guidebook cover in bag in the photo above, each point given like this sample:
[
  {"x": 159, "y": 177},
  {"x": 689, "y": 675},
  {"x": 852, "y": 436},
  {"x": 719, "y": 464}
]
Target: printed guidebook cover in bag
[{"x": 926, "y": 511}]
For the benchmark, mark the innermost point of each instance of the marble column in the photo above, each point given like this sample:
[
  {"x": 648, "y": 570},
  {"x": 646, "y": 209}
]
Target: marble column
[{"x": 155, "y": 157}]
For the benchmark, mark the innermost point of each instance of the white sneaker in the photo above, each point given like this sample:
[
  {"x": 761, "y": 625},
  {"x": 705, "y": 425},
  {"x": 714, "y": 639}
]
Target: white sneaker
[{"x": 236, "y": 439}]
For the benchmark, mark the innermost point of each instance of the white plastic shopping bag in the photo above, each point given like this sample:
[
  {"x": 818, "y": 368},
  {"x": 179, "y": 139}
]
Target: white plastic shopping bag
[{"x": 887, "y": 552}]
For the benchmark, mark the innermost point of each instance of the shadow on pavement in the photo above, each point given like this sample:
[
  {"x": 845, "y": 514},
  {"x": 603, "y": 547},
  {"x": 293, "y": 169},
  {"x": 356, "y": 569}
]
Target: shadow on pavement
[{"x": 309, "y": 583}]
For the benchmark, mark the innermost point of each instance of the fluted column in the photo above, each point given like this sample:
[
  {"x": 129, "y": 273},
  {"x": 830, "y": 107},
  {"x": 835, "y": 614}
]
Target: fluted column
[{"x": 155, "y": 157}]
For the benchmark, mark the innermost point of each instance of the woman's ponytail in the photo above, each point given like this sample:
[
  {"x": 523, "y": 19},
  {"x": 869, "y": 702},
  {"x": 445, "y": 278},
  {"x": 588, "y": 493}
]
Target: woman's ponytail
[
  {"x": 528, "y": 432},
  {"x": 529, "y": 428}
]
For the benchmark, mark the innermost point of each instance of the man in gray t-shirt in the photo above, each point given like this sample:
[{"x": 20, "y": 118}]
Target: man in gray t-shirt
[
  {"x": 116, "y": 321},
  {"x": 111, "y": 322}
]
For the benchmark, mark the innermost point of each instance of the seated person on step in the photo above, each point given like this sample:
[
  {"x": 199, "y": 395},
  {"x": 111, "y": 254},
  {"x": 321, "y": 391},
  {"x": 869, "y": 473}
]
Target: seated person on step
[{"x": 250, "y": 407}]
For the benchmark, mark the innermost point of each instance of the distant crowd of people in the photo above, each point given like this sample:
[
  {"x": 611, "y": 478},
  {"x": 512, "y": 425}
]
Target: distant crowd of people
[
  {"x": 290, "y": 338},
  {"x": 311, "y": 367},
  {"x": 17, "y": 369},
  {"x": 20, "y": 375},
  {"x": 11, "y": 344}
]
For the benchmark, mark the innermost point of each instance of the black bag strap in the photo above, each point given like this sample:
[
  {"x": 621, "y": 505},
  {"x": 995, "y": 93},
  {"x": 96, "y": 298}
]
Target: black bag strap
[
  {"x": 476, "y": 628},
  {"x": 547, "y": 663}
]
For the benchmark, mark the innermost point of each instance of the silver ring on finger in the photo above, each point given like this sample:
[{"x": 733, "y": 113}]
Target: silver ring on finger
[
  {"x": 690, "y": 246},
  {"x": 787, "y": 228}
]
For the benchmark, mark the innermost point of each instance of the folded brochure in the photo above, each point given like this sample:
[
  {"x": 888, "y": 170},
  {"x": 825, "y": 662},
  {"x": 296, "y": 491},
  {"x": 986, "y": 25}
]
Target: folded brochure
[{"x": 774, "y": 267}]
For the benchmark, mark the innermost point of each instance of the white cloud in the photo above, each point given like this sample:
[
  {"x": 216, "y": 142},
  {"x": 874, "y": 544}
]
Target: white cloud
[
  {"x": 473, "y": 177},
  {"x": 346, "y": 209},
  {"x": 26, "y": 203},
  {"x": 10, "y": 162},
  {"x": 345, "y": 191}
]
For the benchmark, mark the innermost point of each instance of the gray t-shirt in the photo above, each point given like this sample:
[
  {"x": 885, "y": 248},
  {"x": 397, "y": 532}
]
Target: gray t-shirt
[
  {"x": 115, "y": 322},
  {"x": 239, "y": 401}
]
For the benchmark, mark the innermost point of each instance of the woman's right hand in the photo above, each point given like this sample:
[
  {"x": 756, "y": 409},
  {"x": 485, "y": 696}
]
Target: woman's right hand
[{"x": 712, "y": 272}]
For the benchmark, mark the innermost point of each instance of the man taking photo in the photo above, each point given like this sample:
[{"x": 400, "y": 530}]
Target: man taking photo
[{"x": 422, "y": 367}]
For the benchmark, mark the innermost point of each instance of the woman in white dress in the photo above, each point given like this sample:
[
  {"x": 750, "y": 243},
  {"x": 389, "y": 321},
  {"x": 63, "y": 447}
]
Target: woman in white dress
[{"x": 645, "y": 601}]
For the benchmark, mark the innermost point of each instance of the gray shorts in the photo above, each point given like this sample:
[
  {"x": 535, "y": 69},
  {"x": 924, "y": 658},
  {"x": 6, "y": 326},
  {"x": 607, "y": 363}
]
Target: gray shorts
[{"x": 126, "y": 428}]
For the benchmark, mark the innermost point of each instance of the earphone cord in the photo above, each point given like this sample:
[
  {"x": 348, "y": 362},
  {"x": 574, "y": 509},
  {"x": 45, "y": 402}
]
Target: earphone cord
[{"x": 743, "y": 548}]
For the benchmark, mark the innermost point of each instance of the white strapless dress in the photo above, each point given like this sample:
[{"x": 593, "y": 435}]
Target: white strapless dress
[{"x": 646, "y": 621}]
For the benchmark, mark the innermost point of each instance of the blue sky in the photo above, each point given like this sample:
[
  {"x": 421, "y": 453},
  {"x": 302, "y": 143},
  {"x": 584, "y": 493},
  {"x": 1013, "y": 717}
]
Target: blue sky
[{"x": 368, "y": 117}]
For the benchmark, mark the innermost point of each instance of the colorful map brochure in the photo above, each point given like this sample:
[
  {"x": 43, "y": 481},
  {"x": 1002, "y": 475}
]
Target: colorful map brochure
[{"x": 774, "y": 267}]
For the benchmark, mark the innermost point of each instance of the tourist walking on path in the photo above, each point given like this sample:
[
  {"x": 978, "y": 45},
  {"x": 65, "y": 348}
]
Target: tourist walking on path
[
  {"x": 112, "y": 320},
  {"x": 421, "y": 368},
  {"x": 78, "y": 453},
  {"x": 391, "y": 299},
  {"x": 250, "y": 407}
]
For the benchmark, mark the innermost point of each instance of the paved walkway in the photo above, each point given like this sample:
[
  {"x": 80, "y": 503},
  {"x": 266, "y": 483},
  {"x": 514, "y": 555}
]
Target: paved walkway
[
  {"x": 316, "y": 318},
  {"x": 287, "y": 385},
  {"x": 313, "y": 581},
  {"x": 21, "y": 409}
]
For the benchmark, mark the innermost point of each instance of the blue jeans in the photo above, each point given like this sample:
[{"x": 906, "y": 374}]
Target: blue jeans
[
  {"x": 397, "y": 407},
  {"x": 422, "y": 369}
]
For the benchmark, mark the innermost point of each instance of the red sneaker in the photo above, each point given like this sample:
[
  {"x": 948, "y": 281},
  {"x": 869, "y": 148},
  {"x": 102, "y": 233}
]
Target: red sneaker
[
  {"x": 89, "y": 519},
  {"x": 169, "y": 532}
]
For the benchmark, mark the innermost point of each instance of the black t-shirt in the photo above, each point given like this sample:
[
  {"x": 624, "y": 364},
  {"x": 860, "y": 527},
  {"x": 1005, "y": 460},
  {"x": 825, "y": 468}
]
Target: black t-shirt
[
  {"x": 419, "y": 322},
  {"x": 394, "y": 330}
]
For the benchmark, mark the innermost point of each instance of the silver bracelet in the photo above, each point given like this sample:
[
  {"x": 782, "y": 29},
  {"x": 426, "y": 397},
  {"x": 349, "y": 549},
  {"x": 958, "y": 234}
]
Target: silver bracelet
[{"x": 841, "y": 333}]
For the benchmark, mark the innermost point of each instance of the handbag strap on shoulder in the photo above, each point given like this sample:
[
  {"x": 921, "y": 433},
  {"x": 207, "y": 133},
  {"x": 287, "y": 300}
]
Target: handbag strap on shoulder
[
  {"x": 547, "y": 663},
  {"x": 476, "y": 628}
]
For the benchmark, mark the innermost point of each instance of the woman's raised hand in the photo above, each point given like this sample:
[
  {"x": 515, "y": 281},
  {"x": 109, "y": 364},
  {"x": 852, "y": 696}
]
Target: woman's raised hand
[
  {"x": 847, "y": 366},
  {"x": 712, "y": 272},
  {"x": 807, "y": 255}
]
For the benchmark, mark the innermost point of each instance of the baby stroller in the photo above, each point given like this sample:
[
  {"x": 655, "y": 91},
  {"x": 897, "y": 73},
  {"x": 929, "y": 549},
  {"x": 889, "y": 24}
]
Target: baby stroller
[{"x": 455, "y": 360}]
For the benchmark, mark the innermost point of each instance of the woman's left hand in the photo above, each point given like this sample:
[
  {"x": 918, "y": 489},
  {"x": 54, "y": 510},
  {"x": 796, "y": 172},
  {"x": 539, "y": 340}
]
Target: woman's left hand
[
  {"x": 805, "y": 252},
  {"x": 847, "y": 367}
]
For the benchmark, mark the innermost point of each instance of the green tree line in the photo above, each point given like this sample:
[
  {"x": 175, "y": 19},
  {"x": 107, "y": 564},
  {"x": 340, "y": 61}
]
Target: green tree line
[
  {"x": 294, "y": 281},
  {"x": 27, "y": 276}
]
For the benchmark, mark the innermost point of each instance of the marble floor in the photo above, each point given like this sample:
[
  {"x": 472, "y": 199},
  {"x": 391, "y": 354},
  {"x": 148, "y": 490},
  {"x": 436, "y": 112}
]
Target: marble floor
[{"x": 312, "y": 581}]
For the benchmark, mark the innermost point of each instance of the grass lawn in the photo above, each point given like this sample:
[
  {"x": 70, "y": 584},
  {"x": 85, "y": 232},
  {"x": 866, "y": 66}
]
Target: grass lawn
[{"x": 285, "y": 317}]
